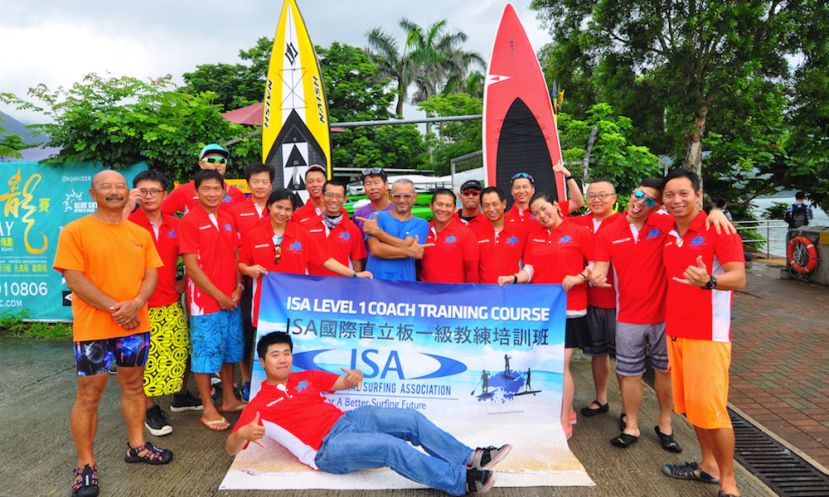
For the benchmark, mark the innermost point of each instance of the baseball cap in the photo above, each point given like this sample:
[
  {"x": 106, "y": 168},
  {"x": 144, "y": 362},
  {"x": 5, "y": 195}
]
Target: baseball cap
[
  {"x": 471, "y": 184},
  {"x": 213, "y": 148}
]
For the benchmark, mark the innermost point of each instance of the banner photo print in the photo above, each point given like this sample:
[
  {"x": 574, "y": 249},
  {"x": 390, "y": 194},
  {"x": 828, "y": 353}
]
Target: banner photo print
[{"x": 480, "y": 361}]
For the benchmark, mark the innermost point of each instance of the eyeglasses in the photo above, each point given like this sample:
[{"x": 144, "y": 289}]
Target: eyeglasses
[
  {"x": 216, "y": 160},
  {"x": 523, "y": 175},
  {"x": 599, "y": 196},
  {"x": 334, "y": 196},
  {"x": 649, "y": 201},
  {"x": 470, "y": 193},
  {"x": 149, "y": 193},
  {"x": 402, "y": 196},
  {"x": 277, "y": 254}
]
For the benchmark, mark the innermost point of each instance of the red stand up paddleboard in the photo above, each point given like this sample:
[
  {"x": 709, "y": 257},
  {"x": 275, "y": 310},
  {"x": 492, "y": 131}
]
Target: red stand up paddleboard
[{"x": 520, "y": 132}]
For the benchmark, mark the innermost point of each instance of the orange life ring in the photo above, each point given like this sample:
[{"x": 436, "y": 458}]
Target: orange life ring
[{"x": 802, "y": 255}]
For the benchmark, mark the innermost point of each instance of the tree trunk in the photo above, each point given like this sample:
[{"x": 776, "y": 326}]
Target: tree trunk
[
  {"x": 401, "y": 96},
  {"x": 693, "y": 142}
]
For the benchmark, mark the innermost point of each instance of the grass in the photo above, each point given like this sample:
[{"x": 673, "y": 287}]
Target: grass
[{"x": 14, "y": 324}]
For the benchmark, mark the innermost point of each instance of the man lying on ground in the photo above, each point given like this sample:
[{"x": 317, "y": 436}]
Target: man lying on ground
[{"x": 291, "y": 409}]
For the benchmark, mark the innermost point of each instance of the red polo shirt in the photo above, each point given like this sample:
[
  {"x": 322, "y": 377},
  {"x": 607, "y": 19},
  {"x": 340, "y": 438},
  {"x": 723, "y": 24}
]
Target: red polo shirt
[
  {"x": 310, "y": 215},
  {"x": 479, "y": 218},
  {"x": 454, "y": 258},
  {"x": 166, "y": 244},
  {"x": 559, "y": 252},
  {"x": 215, "y": 248},
  {"x": 690, "y": 311},
  {"x": 184, "y": 198},
  {"x": 344, "y": 242},
  {"x": 524, "y": 216},
  {"x": 246, "y": 216},
  {"x": 298, "y": 249},
  {"x": 600, "y": 297},
  {"x": 637, "y": 261},
  {"x": 499, "y": 253}
]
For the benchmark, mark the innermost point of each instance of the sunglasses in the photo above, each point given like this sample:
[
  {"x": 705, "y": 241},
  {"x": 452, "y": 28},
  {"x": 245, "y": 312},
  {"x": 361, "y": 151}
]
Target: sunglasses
[
  {"x": 406, "y": 196},
  {"x": 277, "y": 254},
  {"x": 470, "y": 193},
  {"x": 373, "y": 170},
  {"x": 216, "y": 160},
  {"x": 649, "y": 201},
  {"x": 523, "y": 175}
]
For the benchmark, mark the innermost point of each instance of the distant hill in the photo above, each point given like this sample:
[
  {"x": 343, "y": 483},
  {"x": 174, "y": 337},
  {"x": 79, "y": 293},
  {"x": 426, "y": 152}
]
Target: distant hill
[{"x": 15, "y": 127}]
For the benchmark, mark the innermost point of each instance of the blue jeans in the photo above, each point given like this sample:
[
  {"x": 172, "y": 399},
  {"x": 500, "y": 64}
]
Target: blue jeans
[{"x": 376, "y": 437}]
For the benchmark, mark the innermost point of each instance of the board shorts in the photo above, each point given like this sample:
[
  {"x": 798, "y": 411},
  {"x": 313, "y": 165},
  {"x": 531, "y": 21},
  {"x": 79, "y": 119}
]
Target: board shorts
[
  {"x": 94, "y": 357},
  {"x": 575, "y": 332},
  {"x": 216, "y": 339},
  {"x": 636, "y": 343},
  {"x": 169, "y": 350},
  {"x": 601, "y": 327},
  {"x": 699, "y": 377}
]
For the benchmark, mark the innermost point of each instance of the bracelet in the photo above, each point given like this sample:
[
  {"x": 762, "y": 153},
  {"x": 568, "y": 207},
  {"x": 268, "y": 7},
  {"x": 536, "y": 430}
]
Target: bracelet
[
  {"x": 582, "y": 276},
  {"x": 514, "y": 279},
  {"x": 240, "y": 285},
  {"x": 567, "y": 178}
]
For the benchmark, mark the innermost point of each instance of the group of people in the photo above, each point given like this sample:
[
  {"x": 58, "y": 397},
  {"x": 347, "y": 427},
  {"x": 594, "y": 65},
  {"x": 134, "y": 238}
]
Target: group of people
[{"x": 651, "y": 283}]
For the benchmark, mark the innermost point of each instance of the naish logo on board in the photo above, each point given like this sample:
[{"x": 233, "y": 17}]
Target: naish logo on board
[
  {"x": 291, "y": 52},
  {"x": 268, "y": 103},
  {"x": 382, "y": 363},
  {"x": 318, "y": 94}
]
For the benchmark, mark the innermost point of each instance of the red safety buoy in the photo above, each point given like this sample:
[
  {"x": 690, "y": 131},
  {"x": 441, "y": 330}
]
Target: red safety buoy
[{"x": 802, "y": 255}]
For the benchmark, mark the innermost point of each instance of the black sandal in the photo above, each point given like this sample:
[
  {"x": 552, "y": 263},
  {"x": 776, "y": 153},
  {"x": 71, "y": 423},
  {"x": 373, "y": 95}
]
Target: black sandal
[
  {"x": 623, "y": 421},
  {"x": 589, "y": 411},
  {"x": 624, "y": 440},
  {"x": 667, "y": 441},
  {"x": 85, "y": 482},
  {"x": 152, "y": 455}
]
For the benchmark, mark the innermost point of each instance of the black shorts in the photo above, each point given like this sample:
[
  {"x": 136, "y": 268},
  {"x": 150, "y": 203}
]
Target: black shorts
[
  {"x": 601, "y": 327},
  {"x": 249, "y": 332},
  {"x": 575, "y": 332}
]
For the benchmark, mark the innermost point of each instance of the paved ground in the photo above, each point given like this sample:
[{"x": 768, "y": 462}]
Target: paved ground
[
  {"x": 37, "y": 455},
  {"x": 780, "y": 361}
]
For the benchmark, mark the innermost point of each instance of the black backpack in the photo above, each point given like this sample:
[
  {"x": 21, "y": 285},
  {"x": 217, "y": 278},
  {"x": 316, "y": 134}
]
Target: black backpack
[{"x": 799, "y": 216}]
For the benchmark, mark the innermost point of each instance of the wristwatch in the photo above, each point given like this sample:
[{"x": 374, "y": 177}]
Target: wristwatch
[
  {"x": 712, "y": 283},
  {"x": 354, "y": 274}
]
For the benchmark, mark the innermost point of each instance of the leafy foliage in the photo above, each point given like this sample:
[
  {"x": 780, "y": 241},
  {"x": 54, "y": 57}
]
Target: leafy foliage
[{"x": 457, "y": 138}]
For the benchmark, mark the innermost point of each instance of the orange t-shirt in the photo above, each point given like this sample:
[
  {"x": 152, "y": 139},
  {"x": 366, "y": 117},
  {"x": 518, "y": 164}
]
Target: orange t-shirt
[{"x": 113, "y": 257}]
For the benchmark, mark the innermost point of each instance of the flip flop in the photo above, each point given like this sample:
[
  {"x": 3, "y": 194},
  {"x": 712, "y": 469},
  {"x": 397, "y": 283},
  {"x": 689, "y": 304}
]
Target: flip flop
[
  {"x": 216, "y": 425},
  {"x": 624, "y": 440},
  {"x": 667, "y": 441},
  {"x": 238, "y": 408}
]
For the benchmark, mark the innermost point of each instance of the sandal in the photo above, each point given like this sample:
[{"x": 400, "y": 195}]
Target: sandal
[
  {"x": 151, "y": 455},
  {"x": 624, "y": 440},
  {"x": 86, "y": 481},
  {"x": 667, "y": 441},
  {"x": 216, "y": 425},
  {"x": 623, "y": 421},
  {"x": 687, "y": 470},
  {"x": 589, "y": 411}
]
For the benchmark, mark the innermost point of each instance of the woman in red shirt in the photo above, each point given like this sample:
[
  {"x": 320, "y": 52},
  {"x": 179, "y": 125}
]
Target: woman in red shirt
[
  {"x": 557, "y": 252},
  {"x": 284, "y": 246}
]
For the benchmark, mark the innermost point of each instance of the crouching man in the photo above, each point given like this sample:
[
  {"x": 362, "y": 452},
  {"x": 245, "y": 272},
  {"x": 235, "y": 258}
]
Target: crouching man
[{"x": 291, "y": 409}]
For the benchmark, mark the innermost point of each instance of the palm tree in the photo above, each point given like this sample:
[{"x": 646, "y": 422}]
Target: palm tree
[{"x": 391, "y": 64}]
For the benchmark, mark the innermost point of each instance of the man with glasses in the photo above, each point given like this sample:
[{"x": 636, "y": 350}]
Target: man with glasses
[
  {"x": 342, "y": 237},
  {"x": 470, "y": 212},
  {"x": 394, "y": 237},
  {"x": 212, "y": 157},
  {"x": 376, "y": 186},
  {"x": 110, "y": 265},
  {"x": 209, "y": 246},
  {"x": 601, "y": 309},
  {"x": 311, "y": 212},
  {"x": 523, "y": 189}
]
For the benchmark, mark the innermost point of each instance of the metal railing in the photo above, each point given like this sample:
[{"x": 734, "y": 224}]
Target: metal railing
[{"x": 774, "y": 233}]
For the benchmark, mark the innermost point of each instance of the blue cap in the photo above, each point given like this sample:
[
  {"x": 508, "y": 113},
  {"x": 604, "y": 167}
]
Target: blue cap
[{"x": 213, "y": 148}]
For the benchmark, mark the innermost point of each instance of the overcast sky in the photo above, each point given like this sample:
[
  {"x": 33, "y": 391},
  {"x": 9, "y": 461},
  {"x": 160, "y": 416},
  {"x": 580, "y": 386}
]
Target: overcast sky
[{"x": 56, "y": 42}]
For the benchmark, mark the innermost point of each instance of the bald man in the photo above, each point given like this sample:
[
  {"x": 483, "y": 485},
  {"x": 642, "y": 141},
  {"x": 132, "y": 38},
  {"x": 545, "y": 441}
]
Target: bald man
[{"x": 110, "y": 265}]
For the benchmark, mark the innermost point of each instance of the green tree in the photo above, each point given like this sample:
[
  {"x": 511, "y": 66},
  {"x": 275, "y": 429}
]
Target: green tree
[
  {"x": 393, "y": 64},
  {"x": 121, "y": 121},
  {"x": 687, "y": 54},
  {"x": 454, "y": 138}
]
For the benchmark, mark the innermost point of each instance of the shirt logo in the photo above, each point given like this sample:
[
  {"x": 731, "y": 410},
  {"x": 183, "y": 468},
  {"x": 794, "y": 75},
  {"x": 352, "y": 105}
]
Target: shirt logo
[
  {"x": 697, "y": 241},
  {"x": 565, "y": 240},
  {"x": 227, "y": 227},
  {"x": 206, "y": 227},
  {"x": 295, "y": 247},
  {"x": 227, "y": 199},
  {"x": 621, "y": 240},
  {"x": 302, "y": 385},
  {"x": 171, "y": 234},
  {"x": 513, "y": 240},
  {"x": 653, "y": 233},
  {"x": 345, "y": 236},
  {"x": 451, "y": 240}
]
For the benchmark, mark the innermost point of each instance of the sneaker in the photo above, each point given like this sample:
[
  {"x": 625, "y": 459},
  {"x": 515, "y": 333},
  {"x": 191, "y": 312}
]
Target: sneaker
[
  {"x": 216, "y": 391},
  {"x": 487, "y": 457},
  {"x": 479, "y": 481},
  {"x": 156, "y": 422},
  {"x": 86, "y": 482},
  {"x": 244, "y": 392},
  {"x": 185, "y": 401}
]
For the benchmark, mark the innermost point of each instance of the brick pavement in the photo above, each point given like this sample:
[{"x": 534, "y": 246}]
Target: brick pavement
[{"x": 780, "y": 361}]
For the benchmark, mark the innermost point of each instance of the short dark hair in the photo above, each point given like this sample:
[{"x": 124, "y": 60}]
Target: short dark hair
[
  {"x": 256, "y": 168},
  {"x": 206, "y": 174},
  {"x": 720, "y": 203},
  {"x": 333, "y": 182},
  {"x": 495, "y": 190},
  {"x": 601, "y": 180},
  {"x": 544, "y": 196},
  {"x": 651, "y": 182},
  {"x": 270, "y": 339},
  {"x": 150, "y": 175},
  {"x": 800, "y": 195},
  {"x": 682, "y": 173},
  {"x": 280, "y": 194},
  {"x": 444, "y": 191}
]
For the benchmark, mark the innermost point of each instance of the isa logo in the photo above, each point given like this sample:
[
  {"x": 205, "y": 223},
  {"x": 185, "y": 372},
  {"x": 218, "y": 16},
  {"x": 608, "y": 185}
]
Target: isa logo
[
  {"x": 171, "y": 234},
  {"x": 295, "y": 247},
  {"x": 513, "y": 240},
  {"x": 228, "y": 227},
  {"x": 697, "y": 241},
  {"x": 653, "y": 233},
  {"x": 565, "y": 240},
  {"x": 451, "y": 240},
  {"x": 345, "y": 236}
]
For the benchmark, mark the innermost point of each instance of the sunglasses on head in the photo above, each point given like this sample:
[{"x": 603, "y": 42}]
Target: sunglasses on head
[
  {"x": 649, "y": 201},
  {"x": 373, "y": 170},
  {"x": 216, "y": 160},
  {"x": 277, "y": 254},
  {"x": 523, "y": 175}
]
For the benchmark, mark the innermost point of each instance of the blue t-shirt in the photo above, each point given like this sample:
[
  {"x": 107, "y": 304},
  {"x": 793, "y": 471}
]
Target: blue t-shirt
[{"x": 397, "y": 269}]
